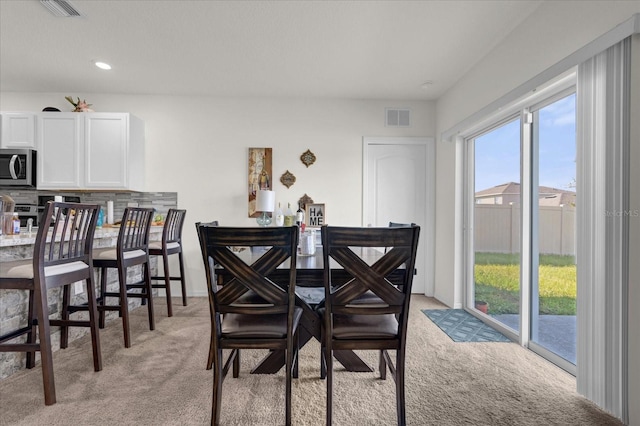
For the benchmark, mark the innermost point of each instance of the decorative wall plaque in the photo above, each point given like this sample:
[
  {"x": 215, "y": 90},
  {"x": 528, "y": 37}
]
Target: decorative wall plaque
[
  {"x": 308, "y": 158},
  {"x": 304, "y": 200},
  {"x": 287, "y": 179}
]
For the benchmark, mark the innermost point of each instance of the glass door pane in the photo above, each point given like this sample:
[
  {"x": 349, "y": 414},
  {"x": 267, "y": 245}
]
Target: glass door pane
[
  {"x": 553, "y": 307},
  {"x": 496, "y": 232}
]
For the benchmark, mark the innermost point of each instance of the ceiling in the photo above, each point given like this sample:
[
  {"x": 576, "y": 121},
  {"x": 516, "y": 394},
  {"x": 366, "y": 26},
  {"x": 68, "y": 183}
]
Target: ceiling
[{"x": 310, "y": 49}]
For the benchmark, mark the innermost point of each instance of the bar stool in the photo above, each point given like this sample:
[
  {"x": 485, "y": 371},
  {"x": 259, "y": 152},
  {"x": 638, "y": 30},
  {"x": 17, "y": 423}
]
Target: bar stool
[
  {"x": 171, "y": 244},
  {"x": 132, "y": 249},
  {"x": 62, "y": 256}
]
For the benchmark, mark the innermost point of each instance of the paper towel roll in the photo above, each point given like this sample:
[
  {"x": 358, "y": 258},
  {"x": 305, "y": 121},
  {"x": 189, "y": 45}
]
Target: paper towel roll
[{"x": 109, "y": 211}]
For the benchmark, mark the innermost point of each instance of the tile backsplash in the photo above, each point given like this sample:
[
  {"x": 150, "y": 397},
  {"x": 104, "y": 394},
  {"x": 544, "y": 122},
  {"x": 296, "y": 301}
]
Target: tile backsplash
[{"x": 161, "y": 201}]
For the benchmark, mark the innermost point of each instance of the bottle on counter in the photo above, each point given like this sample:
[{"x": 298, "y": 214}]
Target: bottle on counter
[
  {"x": 299, "y": 216},
  {"x": 16, "y": 223},
  {"x": 100, "y": 219},
  {"x": 279, "y": 216},
  {"x": 289, "y": 217}
]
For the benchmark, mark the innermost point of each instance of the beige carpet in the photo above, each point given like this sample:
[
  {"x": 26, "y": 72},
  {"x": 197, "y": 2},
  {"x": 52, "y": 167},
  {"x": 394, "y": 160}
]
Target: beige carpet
[{"x": 161, "y": 380}]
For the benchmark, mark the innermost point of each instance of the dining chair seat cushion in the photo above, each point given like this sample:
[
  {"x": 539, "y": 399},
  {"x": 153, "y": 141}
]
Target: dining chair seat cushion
[
  {"x": 369, "y": 299},
  {"x": 257, "y": 326},
  {"x": 25, "y": 270},
  {"x": 157, "y": 245},
  {"x": 112, "y": 254},
  {"x": 363, "y": 327},
  {"x": 17, "y": 269}
]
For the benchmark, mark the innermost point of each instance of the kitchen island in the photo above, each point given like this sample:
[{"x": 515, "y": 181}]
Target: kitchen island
[{"x": 14, "y": 303}]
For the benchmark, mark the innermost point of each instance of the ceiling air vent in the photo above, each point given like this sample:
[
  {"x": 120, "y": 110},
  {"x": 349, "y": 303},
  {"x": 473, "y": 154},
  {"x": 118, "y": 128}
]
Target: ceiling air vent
[
  {"x": 398, "y": 117},
  {"x": 61, "y": 8}
]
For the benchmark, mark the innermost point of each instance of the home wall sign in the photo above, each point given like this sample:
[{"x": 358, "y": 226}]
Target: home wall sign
[{"x": 315, "y": 215}]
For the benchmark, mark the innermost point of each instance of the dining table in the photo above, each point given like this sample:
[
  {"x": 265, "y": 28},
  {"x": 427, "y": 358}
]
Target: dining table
[{"x": 310, "y": 294}]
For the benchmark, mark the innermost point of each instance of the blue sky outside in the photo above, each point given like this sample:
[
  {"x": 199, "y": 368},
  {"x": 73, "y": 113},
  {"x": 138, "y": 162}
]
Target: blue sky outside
[{"x": 498, "y": 152}]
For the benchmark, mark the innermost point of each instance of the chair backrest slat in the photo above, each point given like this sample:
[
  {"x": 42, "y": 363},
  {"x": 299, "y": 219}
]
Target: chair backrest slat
[
  {"x": 70, "y": 236},
  {"x": 172, "y": 232},
  {"x": 246, "y": 277},
  {"x": 346, "y": 246},
  {"x": 134, "y": 229}
]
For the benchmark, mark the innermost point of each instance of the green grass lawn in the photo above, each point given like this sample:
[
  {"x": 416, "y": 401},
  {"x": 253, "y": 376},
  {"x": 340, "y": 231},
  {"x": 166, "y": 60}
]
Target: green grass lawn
[{"x": 497, "y": 278}]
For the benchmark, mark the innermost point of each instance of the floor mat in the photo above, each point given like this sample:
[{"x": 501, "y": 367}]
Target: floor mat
[{"x": 461, "y": 326}]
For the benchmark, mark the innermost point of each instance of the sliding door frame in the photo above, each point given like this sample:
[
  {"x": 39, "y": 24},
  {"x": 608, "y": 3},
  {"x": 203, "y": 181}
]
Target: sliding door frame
[{"x": 525, "y": 109}]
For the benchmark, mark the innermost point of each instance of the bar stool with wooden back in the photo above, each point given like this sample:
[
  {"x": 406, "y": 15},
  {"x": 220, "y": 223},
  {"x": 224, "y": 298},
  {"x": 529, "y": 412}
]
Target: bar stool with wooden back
[
  {"x": 370, "y": 310},
  {"x": 132, "y": 249},
  {"x": 171, "y": 244},
  {"x": 62, "y": 256}
]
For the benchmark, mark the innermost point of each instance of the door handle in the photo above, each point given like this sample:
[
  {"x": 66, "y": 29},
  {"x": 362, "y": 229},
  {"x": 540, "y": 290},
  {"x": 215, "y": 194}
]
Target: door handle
[{"x": 12, "y": 166}]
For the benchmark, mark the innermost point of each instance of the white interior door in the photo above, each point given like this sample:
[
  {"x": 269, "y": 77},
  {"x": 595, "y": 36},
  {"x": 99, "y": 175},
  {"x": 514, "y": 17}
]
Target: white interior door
[{"x": 399, "y": 186}]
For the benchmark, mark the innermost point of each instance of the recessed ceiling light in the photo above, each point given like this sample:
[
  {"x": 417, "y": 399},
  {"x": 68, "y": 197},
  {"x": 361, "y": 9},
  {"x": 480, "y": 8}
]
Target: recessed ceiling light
[{"x": 103, "y": 65}]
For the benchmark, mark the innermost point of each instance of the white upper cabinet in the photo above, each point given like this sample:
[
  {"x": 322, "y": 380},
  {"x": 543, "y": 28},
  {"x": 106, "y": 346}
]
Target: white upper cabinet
[
  {"x": 17, "y": 130},
  {"x": 59, "y": 151},
  {"x": 90, "y": 151}
]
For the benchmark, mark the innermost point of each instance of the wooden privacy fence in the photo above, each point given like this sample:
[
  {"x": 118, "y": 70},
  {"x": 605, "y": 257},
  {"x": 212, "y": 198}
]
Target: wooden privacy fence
[{"x": 497, "y": 229}]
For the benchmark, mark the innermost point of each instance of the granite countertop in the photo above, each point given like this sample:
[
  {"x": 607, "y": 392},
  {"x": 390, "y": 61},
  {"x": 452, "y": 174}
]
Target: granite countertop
[{"x": 24, "y": 238}]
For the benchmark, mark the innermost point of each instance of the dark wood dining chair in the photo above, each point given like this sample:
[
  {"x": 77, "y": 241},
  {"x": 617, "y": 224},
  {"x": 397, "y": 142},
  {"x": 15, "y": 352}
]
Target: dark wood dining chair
[
  {"x": 370, "y": 310},
  {"x": 250, "y": 311},
  {"x": 62, "y": 256},
  {"x": 132, "y": 249},
  {"x": 209, "y": 264},
  {"x": 398, "y": 225},
  {"x": 171, "y": 244}
]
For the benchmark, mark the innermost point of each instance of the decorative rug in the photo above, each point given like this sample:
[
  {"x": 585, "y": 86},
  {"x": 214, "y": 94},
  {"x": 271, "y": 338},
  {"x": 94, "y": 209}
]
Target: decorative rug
[{"x": 461, "y": 326}]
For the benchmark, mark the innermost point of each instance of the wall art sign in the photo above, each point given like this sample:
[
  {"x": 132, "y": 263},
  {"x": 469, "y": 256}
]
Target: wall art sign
[
  {"x": 259, "y": 175},
  {"x": 315, "y": 215}
]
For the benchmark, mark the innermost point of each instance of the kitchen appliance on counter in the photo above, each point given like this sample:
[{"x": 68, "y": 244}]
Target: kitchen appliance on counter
[
  {"x": 42, "y": 203},
  {"x": 26, "y": 212},
  {"x": 18, "y": 167}
]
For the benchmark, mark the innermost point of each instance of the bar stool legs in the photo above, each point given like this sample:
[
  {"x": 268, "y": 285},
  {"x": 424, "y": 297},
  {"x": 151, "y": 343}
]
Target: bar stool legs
[
  {"x": 171, "y": 244},
  {"x": 123, "y": 299}
]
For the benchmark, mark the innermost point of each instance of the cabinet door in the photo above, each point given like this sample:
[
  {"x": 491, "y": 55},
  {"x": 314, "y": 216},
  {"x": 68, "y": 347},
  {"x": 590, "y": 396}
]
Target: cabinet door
[
  {"x": 18, "y": 130},
  {"x": 106, "y": 140},
  {"x": 59, "y": 150}
]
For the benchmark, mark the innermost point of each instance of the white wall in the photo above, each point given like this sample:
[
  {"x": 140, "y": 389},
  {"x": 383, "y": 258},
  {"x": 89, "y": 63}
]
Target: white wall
[
  {"x": 198, "y": 147},
  {"x": 554, "y": 31}
]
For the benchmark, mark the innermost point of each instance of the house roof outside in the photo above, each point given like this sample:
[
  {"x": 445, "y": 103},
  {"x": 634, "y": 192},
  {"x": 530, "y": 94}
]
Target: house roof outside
[{"x": 510, "y": 193}]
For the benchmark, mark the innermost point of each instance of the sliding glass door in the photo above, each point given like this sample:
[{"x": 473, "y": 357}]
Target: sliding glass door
[
  {"x": 522, "y": 206},
  {"x": 496, "y": 212},
  {"x": 553, "y": 283}
]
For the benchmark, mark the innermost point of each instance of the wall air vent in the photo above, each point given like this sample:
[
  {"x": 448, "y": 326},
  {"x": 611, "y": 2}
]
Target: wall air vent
[
  {"x": 61, "y": 8},
  {"x": 396, "y": 117}
]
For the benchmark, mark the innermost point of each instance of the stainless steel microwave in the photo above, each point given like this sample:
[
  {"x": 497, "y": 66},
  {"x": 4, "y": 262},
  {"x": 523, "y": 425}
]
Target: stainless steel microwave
[{"x": 18, "y": 167}]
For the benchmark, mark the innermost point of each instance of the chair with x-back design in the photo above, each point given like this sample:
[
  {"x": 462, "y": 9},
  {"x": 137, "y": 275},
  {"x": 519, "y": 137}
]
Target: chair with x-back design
[
  {"x": 370, "y": 311},
  {"x": 250, "y": 311}
]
